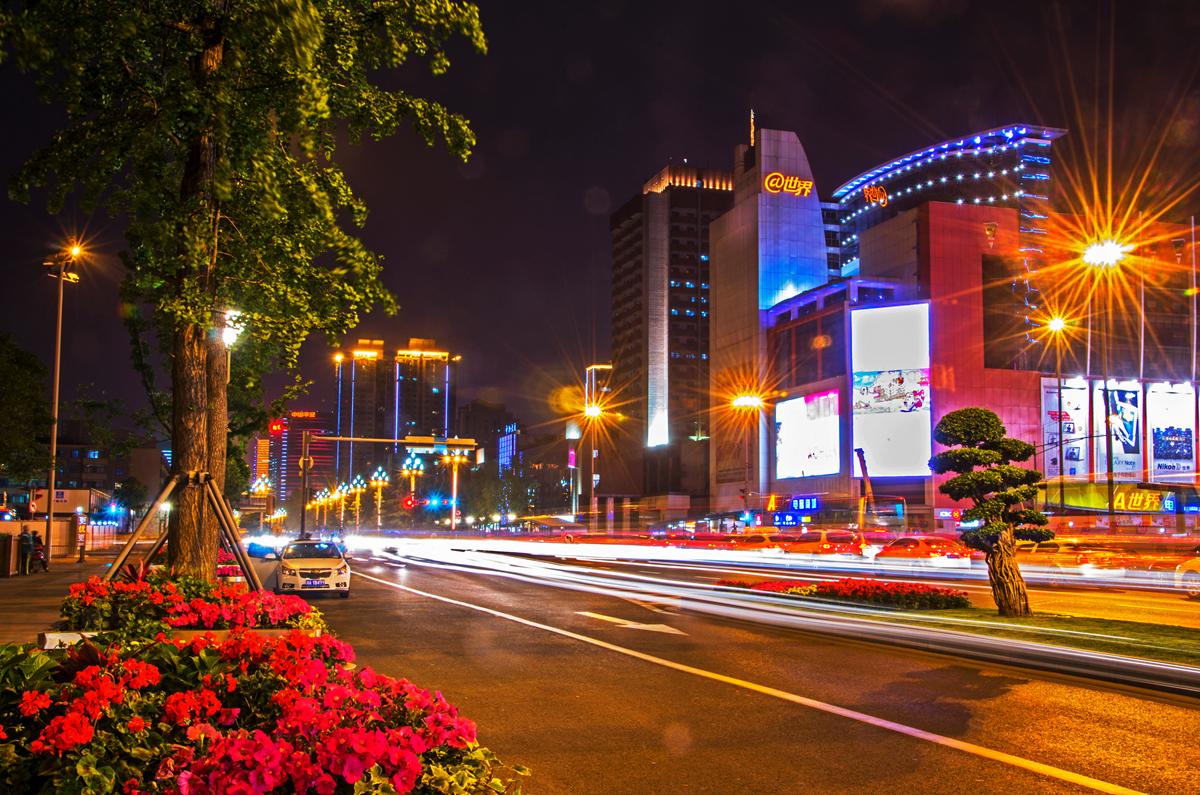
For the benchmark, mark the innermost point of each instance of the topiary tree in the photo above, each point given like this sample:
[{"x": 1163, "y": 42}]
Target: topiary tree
[{"x": 982, "y": 460}]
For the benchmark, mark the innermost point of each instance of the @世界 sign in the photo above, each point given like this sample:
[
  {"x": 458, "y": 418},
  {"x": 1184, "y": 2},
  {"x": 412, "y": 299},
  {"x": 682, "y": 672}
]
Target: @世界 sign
[{"x": 775, "y": 182}]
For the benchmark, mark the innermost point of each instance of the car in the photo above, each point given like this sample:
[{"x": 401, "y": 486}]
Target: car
[
  {"x": 827, "y": 542},
  {"x": 1187, "y": 577},
  {"x": 927, "y": 552},
  {"x": 1069, "y": 558},
  {"x": 313, "y": 567}
]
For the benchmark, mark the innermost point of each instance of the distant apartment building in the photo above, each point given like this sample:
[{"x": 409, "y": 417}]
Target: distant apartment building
[
  {"x": 485, "y": 422},
  {"x": 426, "y": 389}
]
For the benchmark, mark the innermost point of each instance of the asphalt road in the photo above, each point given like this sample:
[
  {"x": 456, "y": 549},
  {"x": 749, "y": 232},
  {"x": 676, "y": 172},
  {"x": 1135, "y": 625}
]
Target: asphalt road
[{"x": 719, "y": 706}]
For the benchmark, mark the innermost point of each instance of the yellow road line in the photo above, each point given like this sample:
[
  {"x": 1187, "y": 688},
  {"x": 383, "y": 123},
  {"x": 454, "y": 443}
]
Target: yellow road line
[{"x": 949, "y": 742}]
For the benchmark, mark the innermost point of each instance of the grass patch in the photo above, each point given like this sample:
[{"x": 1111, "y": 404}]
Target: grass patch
[{"x": 1180, "y": 645}]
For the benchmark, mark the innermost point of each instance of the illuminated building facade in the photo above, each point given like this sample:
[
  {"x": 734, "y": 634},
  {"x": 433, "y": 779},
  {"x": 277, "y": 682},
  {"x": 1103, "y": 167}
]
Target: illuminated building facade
[
  {"x": 770, "y": 246},
  {"x": 485, "y": 422},
  {"x": 261, "y": 453},
  {"x": 426, "y": 390},
  {"x": 366, "y": 406},
  {"x": 660, "y": 331}
]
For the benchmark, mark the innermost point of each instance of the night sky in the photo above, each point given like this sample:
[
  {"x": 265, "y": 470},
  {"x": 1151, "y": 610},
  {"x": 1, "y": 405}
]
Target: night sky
[{"x": 505, "y": 259}]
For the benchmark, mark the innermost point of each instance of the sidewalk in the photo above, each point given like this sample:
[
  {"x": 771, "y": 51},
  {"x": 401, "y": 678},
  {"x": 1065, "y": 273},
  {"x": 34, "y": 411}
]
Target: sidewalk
[{"x": 30, "y": 604}]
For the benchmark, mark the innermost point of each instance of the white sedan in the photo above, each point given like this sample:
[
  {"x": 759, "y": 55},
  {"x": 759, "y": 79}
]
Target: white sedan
[{"x": 316, "y": 566}]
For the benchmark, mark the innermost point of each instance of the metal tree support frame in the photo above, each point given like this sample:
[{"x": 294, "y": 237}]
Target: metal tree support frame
[{"x": 226, "y": 525}]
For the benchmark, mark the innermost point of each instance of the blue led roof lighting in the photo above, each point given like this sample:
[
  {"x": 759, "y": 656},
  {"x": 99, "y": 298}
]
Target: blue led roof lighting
[{"x": 997, "y": 136}]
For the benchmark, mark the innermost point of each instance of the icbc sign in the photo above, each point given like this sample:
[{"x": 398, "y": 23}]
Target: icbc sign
[
  {"x": 776, "y": 182},
  {"x": 876, "y": 193}
]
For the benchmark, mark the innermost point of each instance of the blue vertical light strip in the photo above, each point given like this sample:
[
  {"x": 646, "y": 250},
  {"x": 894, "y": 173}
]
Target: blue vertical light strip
[
  {"x": 446, "y": 411},
  {"x": 337, "y": 448},
  {"x": 396, "y": 421}
]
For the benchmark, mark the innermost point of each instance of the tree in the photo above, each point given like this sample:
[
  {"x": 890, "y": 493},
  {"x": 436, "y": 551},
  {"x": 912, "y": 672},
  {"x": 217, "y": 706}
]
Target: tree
[
  {"x": 212, "y": 126},
  {"x": 24, "y": 412},
  {"x": 982, "y": 460},
  {"x": 131, "y": 495}
]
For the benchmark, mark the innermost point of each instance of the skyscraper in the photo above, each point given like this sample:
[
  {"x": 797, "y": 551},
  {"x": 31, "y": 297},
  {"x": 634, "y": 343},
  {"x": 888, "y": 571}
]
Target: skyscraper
[
  {"x": 366, "y": 402},
  {"x": 286, "y": 446},
  {"x": 426, "y": 387},
  {"x": 660, "y": 343}
]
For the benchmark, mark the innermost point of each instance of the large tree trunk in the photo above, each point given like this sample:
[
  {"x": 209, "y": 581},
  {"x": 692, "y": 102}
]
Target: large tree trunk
[
  {"x": 1008, "y": 586},
  {"x": 193, "y": 539},
  {"x": 190, "y": 547}
]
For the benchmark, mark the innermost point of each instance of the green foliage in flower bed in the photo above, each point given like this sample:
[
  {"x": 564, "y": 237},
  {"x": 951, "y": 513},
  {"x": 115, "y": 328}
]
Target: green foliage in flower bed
[
  {"x": 248, "y": 715},
  {"x": 903, "y": 595},
  {"x": 130, "y": 611}
]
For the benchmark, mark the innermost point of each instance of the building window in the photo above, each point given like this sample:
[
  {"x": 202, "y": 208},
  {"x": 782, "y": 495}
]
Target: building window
[{"x": 93, "y": 454}]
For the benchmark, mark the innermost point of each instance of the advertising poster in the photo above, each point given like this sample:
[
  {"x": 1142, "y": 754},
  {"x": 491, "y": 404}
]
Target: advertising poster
[
  {"x": 1125, "y": 410},
  {"x": 1171, "y": 414},
  {"x": 890, "y": 394},
  {"x": 1074, "y": 428},
  {"x": 808, "y": 436}
]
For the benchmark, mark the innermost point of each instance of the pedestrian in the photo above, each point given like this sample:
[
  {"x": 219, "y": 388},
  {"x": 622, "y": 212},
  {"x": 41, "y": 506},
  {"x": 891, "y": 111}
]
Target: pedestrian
[
  {"x": 25, "y": 551},
  {"x": 39, "y": 554}
]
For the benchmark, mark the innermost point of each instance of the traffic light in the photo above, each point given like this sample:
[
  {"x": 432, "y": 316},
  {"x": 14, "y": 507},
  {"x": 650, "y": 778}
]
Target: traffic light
[
  {"x": 410, "y": 502},
  {"x": 743, "y": 497}
]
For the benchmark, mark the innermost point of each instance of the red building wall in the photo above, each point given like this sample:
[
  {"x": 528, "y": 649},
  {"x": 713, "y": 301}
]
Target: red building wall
[{"x": 952, "y": 242}]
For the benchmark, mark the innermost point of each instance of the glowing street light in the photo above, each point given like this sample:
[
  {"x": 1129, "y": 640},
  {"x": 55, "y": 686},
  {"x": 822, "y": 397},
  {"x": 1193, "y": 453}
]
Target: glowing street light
[
  {"x": 60, "y": 267},
  {"x": 1101, "y": 256},
  {"x": 357, "y": 487},
  {"x": 454, "y": 459},
  {"x": 1056, "y": 326},
  {"x": 748, "y": 402},
  {"x": 378, "y": 481},
  {"x": 750, "y": 405}
]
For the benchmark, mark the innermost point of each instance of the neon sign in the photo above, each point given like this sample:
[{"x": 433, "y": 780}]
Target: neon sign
[
  {"x": 876, "y": 193},
  {"x": 775, "y": 182},
  {"x": 304, "y": 414}
]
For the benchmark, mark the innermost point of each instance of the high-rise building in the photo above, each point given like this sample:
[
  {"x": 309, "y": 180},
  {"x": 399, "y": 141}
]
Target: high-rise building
[
  {"x": 366, "y": 408},
  {"x": 484, "y": 422},
  {"x": 426, "y": 385},
  {"x": 261, "y": 451},
  {"x": 276, "y": 441},
  {"x": 770, "y": 246},
  {"x": 660, "y": 341}
]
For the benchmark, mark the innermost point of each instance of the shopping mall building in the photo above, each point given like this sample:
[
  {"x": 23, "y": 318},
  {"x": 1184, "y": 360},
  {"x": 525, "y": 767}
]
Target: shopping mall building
[{"x": 952, "y": 264}]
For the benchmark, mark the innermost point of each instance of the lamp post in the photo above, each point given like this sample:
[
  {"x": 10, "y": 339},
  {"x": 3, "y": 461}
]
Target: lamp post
[
  {"x": 592, "y": 415},
  {"x": 59, "y": 268},
  {"x": 378, "y": 481},
  {"x": 357, "y": 487},
  {"x": 1104, "y": 256},
  {"x": 1056, "y": 326},
  {"x": 454, "y": 459},
  {"x": 340, "y": 496},
  {"x": 413, "y": 467},
  {"x": 262, "y": 488},
  {"x": 749, "y": 405}
]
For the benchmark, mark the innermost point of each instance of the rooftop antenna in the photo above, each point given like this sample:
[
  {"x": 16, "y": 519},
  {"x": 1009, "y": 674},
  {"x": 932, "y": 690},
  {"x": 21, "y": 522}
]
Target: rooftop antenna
[{"x": 752, "y": 128}]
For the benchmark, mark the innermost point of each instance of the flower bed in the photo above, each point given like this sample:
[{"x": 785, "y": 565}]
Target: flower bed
[
  {"x": 904, "y": 595},
  {"x": 247, "y": 715},
  {"x": 227, "y": 565},
  {"x": 141, "y": 610}
]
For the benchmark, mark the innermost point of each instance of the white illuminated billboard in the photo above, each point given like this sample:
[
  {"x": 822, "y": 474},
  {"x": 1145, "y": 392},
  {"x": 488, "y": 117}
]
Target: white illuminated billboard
[
  {"x": 890, "y": 395},
  {"x": 808, "y": 436},
  {"x": 1124, "y": 409},
  {"x": 1074, "y": 427},
  {"x": 1171, "y": 414}
]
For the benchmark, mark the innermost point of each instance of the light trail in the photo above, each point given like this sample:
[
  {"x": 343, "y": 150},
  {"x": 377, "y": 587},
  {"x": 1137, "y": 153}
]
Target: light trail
[
  {"x": 949, "y": 742},
  {"x": 933, "y": 634}
]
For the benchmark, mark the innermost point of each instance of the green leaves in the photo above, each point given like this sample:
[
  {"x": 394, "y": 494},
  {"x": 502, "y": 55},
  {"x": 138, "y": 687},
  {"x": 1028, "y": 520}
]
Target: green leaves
[
  {"x": 968, "y": 428},
  {"x": 23, "y": 412}
]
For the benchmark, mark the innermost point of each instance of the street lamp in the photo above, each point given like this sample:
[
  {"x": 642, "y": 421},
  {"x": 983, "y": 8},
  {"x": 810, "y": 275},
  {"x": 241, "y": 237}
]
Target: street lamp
[
  {"x": 749, "y": 405},
  {"x": 413, "y": 467},
  {"x": 339, "y": 494},
  {"x": 454, "y": 459},
  {"x": 1056, "y": 326},
  {"x": 378, "y": 481},
  {"x": 357, "y": 487},
  {"x": 1103, "y": 256},
  {"x": 60, "y": 268}
]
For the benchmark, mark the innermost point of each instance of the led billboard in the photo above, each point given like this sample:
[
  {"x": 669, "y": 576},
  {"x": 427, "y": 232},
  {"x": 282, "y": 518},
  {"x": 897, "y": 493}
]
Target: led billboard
[
  {"x": 808, "y": 436},
  {"x": 890, "y": 396},
  {"x": 1171, "y": 415},
  {"x": 1074, "y": 427},
  {"x": 1125, "y": 410}
]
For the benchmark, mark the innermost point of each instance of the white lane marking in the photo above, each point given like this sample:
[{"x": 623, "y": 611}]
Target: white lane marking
[
  {"x": 633, "y": 624},
  {"x": 949, "y": 742},
  {"x": 647, "y": 606}
]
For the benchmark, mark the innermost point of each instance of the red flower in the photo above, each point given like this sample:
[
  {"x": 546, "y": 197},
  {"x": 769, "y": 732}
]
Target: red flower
[
  {"x": 136, "y": 725},
  {"x": 32, "y": 701}
]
